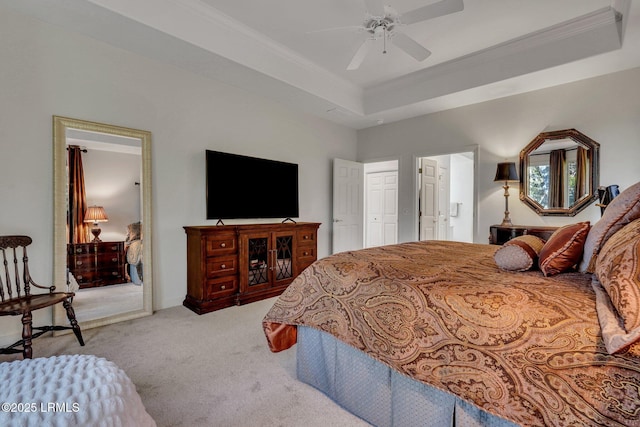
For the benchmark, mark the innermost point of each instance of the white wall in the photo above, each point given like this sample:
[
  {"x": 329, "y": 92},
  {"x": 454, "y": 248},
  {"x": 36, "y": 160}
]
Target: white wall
[
  {"x": 607, "y": 109},
  {"x": 46, "y": 71},
  {"x": 110, "y": 182}
]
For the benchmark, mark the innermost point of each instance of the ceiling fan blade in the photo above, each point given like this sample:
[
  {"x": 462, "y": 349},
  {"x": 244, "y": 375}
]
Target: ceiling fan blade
[
  {"x": 361, "y": 53},
  {"x": 410, "y": 46},
  {"x": 348, "y": 27},
  {"x": 441, "y": 8},
  {"x": 374, "y": 7}
]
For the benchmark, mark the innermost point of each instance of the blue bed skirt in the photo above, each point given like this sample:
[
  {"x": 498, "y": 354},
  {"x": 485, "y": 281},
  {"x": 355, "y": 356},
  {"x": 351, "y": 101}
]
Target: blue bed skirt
[{"x": 376, "y": 393}]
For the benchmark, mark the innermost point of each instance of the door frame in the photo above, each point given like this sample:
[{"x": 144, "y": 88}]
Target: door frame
[{"x": 416, "y": 184}]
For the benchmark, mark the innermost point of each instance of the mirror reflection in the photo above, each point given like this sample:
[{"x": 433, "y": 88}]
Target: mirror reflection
[
  {"x": 103, "y": 192},
  {"x": 558, "y": 172}
]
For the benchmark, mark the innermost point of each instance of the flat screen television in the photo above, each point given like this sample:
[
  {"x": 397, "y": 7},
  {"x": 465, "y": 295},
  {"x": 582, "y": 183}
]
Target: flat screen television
[{"x": 250, "y": 187}]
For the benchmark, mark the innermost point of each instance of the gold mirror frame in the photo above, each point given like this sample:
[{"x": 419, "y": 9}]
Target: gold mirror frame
[
  {"x": 593, "y": 156},
  {"x": 60, "y": 127}
]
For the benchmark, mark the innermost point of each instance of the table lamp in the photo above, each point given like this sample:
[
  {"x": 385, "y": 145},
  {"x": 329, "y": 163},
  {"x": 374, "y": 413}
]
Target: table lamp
[
  {"x": 506, "y": 172},
  {"x": 95, "y": 214}
]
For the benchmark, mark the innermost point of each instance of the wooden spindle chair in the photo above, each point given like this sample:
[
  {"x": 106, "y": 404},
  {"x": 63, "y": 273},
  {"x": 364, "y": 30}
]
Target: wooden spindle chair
[{"x": 15, "y": 293}]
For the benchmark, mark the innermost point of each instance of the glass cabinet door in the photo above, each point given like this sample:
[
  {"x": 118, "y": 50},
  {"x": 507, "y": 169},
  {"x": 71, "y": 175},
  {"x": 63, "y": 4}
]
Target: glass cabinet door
[
  {"x": 283, "y": 251},
  {"x": 258, "y": 249},
  {"x": 269, "y": 259}
]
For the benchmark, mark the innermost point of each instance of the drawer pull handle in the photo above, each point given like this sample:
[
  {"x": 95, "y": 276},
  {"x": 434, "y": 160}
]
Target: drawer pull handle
[
  {"x": 223, "y": 245},
  {"x": 306, "y": 237},
  {"x": 223, "y": 287},
  {"x": 305, "y": 253},
  {"x": 114, "y": 259},
  {"x": 80, "y": 277},
  {"x": 78, "y": 262},
  {"x": 78, "y": 250},
  {"x": 223, "y": 266},
  {"x": 114, "y": 248},
  {"x": 114, "y": 273}
]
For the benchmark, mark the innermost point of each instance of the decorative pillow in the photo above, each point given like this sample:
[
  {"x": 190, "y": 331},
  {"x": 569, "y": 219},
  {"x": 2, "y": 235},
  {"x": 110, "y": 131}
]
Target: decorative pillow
[
  {"x": 519, "y": 254},
  {"x": 618, "y": 270},
  {"x": 564, "y": 249},
  {"x": 621, "y": 211}
]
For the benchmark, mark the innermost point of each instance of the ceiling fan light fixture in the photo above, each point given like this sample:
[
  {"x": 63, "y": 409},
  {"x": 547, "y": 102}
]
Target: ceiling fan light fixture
[{"x": 380, "y": 22}]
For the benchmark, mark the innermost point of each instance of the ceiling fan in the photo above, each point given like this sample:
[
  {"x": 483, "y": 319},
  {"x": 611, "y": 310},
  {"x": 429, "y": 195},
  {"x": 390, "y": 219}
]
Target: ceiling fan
[{"x": 381, "y": 22}]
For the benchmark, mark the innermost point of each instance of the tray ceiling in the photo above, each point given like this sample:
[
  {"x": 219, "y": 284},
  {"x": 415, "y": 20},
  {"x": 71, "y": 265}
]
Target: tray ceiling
[{"x": 286, "y": 50}]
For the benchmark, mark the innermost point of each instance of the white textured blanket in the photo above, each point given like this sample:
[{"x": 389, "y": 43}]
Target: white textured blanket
[{"x": 75, "y": 390}]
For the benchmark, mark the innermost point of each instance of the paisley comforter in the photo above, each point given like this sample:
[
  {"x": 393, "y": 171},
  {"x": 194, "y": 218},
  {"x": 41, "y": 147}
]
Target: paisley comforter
[{"x": 517, "y": 345}]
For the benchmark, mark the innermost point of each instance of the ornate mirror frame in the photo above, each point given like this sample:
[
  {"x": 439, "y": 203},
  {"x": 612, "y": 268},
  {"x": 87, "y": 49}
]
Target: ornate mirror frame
[
  {"x": 60, "y": 127},
  {"x": 579, "y": 139}
]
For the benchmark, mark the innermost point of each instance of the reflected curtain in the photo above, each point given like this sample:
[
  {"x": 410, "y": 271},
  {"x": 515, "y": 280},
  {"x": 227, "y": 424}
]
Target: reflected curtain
[
  {"x": 556, "y": 178},
  {"x": 582, "y": 163},
  {"x": 78, "y": 229}
]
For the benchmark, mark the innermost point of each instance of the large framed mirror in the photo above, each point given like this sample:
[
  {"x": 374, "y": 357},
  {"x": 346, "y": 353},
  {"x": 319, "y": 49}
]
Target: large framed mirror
[
  {"x": 102, "y": 221},
  {"x": 559, "y": 172}
]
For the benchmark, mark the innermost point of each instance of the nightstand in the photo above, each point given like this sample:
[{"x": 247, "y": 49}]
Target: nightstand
[{"x": 500, "y": 234}]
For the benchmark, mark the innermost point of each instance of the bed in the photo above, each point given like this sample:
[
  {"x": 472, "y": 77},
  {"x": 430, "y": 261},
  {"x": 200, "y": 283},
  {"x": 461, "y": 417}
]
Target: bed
[
  {"x": 69, "y": 390},
  {"x": 436, "y": 333}
]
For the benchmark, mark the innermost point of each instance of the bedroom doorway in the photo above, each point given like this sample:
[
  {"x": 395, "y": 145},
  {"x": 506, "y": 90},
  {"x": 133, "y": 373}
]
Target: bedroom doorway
[{"x": 445, "y": 197}]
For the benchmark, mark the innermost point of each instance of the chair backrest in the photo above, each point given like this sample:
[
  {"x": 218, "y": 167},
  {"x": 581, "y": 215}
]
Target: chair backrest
[{"x": 12, "y": 285}]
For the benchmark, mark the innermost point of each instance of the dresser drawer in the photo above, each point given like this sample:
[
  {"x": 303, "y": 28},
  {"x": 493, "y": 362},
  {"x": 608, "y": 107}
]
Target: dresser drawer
[
  {"x": 82, "y": 262},
  {"x": 219, "y": 266},
  {"x": 306, "y": 238},
  {"x": 106, "y": 259},
  {"x": 216, "y": 288},
  {"x": 80, "y": 249},
  {"x": 92, "y": 248},
  {"x": 306, "y": 254},
  {"x": 110, "y": 247},
  {"x": 221, "y": 244},
  {"x": 110, "y": 274},
  {"x": 88, "y": 276}
]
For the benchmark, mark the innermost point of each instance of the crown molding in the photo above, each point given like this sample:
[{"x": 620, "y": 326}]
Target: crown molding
[{"x": 591, "y": 34}]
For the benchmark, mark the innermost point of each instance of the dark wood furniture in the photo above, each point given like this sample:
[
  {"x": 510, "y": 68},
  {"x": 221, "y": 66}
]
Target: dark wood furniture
[
  {"x": 17, "y": 300},
  {"x": 238, "y": 264},
  {"x": 97, "y": 264},
  {"x": 500, "y": 234}
]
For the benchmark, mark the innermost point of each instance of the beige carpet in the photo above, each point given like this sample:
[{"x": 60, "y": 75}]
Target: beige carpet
[
  {"x": 96, "y": 303},
  {"x": 209, "y": 370}
]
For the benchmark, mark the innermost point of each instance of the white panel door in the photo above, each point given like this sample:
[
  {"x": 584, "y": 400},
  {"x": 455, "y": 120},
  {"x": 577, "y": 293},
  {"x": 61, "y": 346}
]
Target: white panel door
[
  {"x": 375, "y": 202},
  {"x": 443, "y": 203},
  {"x": 348, "y": 205},
  {"x": 429, "y": 200},
  {"x": 382, "y": 208}
]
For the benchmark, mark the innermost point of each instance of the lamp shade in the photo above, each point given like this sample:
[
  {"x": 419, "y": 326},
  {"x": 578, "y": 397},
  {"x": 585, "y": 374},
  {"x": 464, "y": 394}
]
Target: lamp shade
[
  {"x": 95, "y": 214},
  {"x": 506, "y": 172}
]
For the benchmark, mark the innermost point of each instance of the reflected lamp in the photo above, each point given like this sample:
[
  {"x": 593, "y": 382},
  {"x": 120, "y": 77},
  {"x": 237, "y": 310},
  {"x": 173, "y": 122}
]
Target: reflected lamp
[{"x": 95, "y": 214}]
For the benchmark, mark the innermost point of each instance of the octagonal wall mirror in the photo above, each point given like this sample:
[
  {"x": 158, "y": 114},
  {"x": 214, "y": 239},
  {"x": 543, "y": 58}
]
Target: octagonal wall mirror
[
  {"x": 105, "y": 258},
  {"x": 559, "y": 172}
]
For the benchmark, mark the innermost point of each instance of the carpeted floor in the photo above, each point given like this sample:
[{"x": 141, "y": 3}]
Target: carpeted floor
[
  {"x": 208, "y": 370},
  {"x": 96, "y": 303}
]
